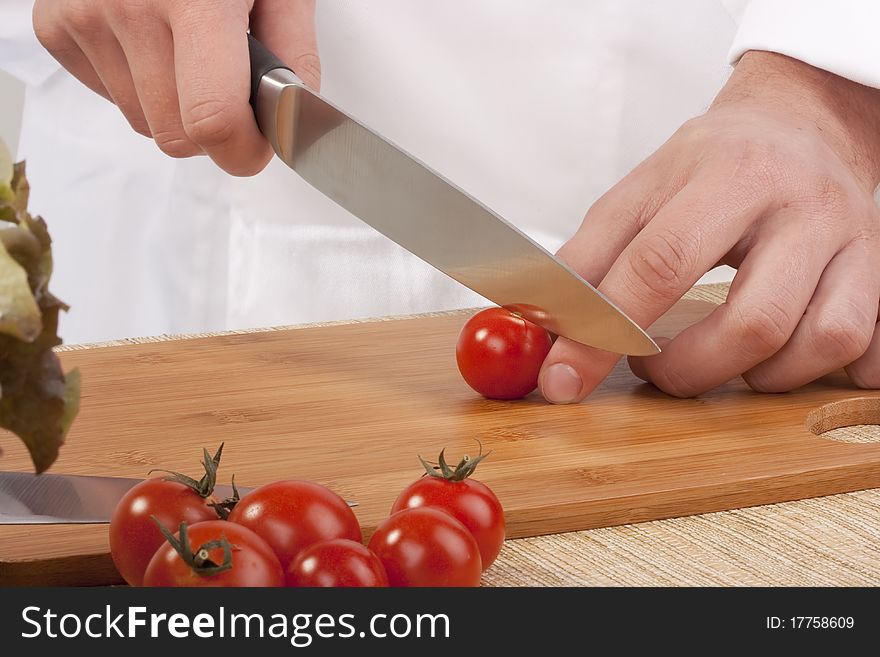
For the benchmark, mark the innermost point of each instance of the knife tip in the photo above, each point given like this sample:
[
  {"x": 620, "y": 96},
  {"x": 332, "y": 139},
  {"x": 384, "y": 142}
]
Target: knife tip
[{"x": 646, "y": 348}]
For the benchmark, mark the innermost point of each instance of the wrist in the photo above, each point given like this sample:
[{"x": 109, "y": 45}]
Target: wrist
[{"x": 846, "y": 114}]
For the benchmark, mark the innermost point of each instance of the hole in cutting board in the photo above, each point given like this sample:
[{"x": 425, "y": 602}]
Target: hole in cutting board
[{"x": 855, "y": 420}]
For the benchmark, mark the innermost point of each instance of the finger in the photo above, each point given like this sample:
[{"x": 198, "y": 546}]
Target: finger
[
  {"x": 617, "y": 217},
  {"x": 609, "y": 225},
  {"x": 212, "y": 69},
  {"x": 768, "y": 297},
  {"x": 684, "y": 240},
  {"x": 50, "y": 32},
  {"x": 149, "y": 50},
  {"x": 88, "y": 27},
  {"x": 835, "y": 330},
  {"x": 865, "y": 371},
  {"x": 287, "y": 28}
]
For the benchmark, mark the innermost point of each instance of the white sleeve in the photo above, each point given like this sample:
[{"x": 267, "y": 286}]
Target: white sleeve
[
  {"x": 839, "y": 36},
  {"x": 21, "y": 55}
]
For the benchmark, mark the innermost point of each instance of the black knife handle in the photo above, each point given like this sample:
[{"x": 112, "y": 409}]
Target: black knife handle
[{"x": 263, "y": 60}]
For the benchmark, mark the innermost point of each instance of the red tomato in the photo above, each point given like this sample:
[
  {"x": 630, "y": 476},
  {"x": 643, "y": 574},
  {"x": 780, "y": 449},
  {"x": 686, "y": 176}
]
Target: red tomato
[
  {"x": 500, "y": 354},
  {"x": 470, "y": 502},
  {"x": 134, "y": 537},
  {"x": 427, "y": 547},
  {"x": 339, "y": 562},
  {"x": 291, "y": 515},
  {"x": 251, "y": 561}
]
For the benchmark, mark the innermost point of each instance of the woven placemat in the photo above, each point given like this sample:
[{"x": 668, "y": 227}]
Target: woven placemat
[{"x": 828, "y": 541}]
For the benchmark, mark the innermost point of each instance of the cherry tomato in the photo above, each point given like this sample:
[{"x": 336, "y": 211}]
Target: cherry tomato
[
  {"x": 470, "y": 502},
  {"x": 500, "y": 354},
  {"x": 427, "y": 547},
  {"x": 291, "y": 515},
  {"x": 199, "y": 561},
  {"x": 338, "y": 562},
  {"x": 134, "y": 537}
]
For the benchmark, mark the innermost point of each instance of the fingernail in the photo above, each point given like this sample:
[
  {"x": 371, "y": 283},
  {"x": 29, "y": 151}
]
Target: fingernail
[{"x": 561, "y": 384}]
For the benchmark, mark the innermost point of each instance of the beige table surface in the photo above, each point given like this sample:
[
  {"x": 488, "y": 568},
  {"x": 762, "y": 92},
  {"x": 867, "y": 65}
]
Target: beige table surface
[{"x": 828, "y": 541}]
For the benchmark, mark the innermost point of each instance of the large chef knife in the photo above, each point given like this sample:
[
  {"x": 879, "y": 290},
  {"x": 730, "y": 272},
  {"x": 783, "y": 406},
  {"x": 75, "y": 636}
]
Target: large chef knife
[
  {"x": 50, "y": 499},
  {"x": 423, "y": 212}
]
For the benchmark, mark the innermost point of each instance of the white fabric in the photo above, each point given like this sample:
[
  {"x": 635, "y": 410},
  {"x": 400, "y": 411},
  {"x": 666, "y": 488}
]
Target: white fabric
[
  {"x": 534, "y": 108},
  {"x": 20, "y": 54},
  {"x": 839, "y": 36}
]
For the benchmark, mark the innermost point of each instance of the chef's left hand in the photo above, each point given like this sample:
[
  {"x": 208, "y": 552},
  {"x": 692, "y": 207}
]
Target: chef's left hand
[{"x": 777, "y": 180}]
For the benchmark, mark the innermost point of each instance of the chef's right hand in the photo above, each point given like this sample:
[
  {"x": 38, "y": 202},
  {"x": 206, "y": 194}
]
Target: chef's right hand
[{"x": 179, "y": 69}]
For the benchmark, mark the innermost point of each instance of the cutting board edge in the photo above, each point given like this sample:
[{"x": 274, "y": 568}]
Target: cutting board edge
[
  {"x": 836, "y": 480},
  {"x": 88, "y": 569}
]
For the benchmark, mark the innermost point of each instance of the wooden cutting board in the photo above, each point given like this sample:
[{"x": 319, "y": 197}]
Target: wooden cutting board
[{"x": 351, "y": 405}]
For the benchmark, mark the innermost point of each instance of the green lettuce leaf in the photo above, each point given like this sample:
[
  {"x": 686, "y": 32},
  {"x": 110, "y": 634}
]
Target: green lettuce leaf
[
  {"x": 20, "y": 316},
  {"x": 38, "y": 402}
]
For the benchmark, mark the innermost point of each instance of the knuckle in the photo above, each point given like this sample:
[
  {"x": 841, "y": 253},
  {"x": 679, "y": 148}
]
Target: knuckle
[
  {"x": 128, "y": 9},
  {"x": 693, "y": 132},
  {"x": 663, "y": 264},
  {"x": 81, "y": 16},
  {"x": 761, "y": 329},
  {"x": 840, "y": 337},
  {"x": 209, "y": 123},
  {"x": 608, "y": 211},
  {"x": 51, "y": 36},
  {"x": 50, "y": 33}
]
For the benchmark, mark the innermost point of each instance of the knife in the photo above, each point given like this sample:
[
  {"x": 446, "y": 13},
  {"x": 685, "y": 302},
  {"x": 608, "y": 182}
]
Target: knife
[
  {"x": 416, "y": 207},
  {"x": 52, "y": 499}
]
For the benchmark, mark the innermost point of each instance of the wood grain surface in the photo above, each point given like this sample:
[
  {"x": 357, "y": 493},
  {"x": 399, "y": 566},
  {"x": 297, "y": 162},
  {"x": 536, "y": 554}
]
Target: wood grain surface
[{"x": 351, "y": 405}]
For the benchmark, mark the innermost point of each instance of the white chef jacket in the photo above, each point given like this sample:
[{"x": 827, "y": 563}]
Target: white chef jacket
[{"x": 534, "y": 108}]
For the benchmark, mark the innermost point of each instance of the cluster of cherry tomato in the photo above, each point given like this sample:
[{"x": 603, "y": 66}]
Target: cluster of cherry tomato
[
  {"x": 500, "y": 353},
  {"x": 444, "y": 530}
]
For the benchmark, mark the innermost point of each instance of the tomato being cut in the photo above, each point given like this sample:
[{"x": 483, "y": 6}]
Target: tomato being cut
[
  {"x": 426, "y": 547},
  {"x": 134, "y": 537},
  {"x": 291, "y": 515},
  {"x": 470, "y": 501},
  {"x": 214, "y": 553},
  {"x": 339, "y": 562},
  {"x": 500, "y": 353}
]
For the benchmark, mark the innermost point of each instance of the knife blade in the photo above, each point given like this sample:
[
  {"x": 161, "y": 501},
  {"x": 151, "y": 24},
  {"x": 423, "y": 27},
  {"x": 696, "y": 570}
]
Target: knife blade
[
  {"x": 428, "y": 215},
  {"x": 51, "y": 499}
]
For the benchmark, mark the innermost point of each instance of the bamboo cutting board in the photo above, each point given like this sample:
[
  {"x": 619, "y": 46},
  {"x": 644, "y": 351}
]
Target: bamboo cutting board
[{"x": 351, "y": 405}]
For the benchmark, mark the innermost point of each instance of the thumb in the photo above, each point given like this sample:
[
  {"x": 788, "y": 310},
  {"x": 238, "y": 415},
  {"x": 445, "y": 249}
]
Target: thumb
[
  {"x": 571, "y": 371},
  {"x": 287, "y": 28}
]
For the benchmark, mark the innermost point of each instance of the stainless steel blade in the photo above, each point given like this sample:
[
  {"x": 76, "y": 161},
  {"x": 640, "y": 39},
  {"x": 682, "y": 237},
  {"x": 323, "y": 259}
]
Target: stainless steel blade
[
  {"x": 29, "y": 499},
  {"x": 425, "y": 213}
]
